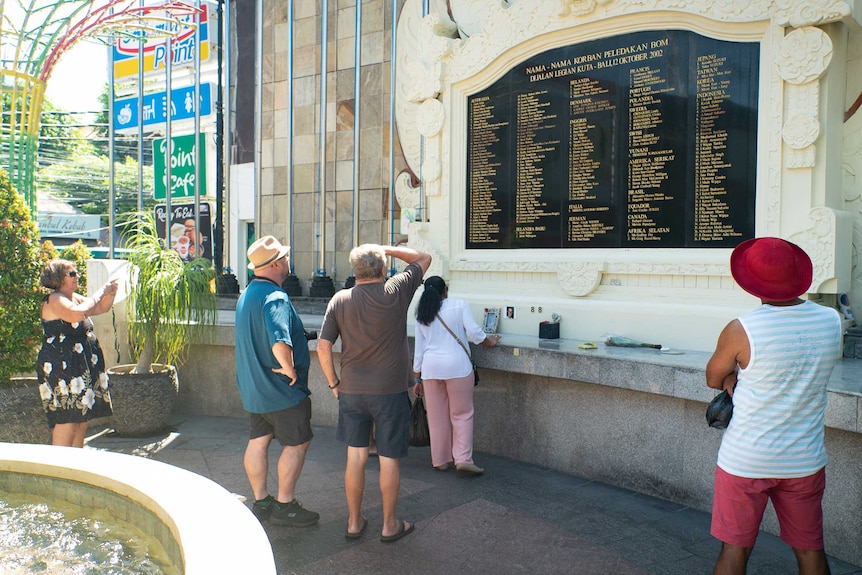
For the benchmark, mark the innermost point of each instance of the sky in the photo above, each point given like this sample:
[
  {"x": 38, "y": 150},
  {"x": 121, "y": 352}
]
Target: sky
[{"x": 79, "y": 78}]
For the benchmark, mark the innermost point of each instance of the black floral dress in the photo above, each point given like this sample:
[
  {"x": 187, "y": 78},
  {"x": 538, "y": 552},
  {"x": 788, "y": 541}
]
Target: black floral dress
[{"x": 71, "y": 371}]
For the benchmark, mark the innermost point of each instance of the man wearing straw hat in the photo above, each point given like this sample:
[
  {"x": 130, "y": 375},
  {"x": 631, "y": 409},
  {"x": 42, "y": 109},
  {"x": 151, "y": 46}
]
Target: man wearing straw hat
[
  {"x": 272, "y": 362},
  {"x": 775, "y": 362}
]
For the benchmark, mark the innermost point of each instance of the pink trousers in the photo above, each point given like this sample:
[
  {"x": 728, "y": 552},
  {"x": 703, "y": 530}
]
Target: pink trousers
[{"x": 449, "y": 403}]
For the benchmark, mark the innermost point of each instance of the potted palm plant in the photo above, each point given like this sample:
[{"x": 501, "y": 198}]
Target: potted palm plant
[{"x": 170, "y": 304}]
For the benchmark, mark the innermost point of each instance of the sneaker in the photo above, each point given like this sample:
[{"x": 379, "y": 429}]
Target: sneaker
[
  {"x": 262, "y": 508},
  {"x": 293, "y": 515}
]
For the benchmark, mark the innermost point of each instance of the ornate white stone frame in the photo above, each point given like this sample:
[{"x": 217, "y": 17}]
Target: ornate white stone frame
[{"x": 438, "y": 71}]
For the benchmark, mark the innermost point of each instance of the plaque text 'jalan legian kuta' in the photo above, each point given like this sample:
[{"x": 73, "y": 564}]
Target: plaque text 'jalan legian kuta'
[{"x": 642, "y": 140}]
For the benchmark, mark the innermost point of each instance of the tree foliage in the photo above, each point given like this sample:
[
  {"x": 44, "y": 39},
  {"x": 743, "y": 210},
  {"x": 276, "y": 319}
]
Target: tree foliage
[
  {"x": 82, "y": 181},
  {"x": 21, "y": 261},
  {"x": 58, "y": 136}
]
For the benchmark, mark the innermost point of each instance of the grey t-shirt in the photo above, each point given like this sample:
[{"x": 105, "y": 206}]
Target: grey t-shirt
[{"x": 372, "y": 322}]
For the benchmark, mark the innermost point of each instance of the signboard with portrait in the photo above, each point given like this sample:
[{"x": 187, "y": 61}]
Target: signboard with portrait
[{"x": 181, "y": 224}]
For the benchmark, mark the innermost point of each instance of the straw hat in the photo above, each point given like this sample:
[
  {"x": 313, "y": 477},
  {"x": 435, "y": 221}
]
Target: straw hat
[
  {"x": 265, "y": 251},
  {"x": 771, "y": 269}
]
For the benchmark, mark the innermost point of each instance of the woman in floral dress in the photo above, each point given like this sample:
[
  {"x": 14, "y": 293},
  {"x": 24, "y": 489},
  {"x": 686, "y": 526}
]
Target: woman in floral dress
[{"x": 71, "y": 367}]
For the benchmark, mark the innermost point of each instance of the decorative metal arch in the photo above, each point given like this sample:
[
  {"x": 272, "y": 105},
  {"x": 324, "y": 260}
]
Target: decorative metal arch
[{"x": 34, "y": 35}]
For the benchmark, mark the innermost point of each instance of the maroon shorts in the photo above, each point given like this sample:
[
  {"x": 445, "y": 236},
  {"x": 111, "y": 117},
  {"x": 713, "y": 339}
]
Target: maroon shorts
[{"x": 739, "y": 502}]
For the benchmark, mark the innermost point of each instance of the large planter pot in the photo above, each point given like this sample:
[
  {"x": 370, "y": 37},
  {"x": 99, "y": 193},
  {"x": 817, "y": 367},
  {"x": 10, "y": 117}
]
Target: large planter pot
[
  {"x": 143, "y": 402},
  {"x": 22, "y": 419}
]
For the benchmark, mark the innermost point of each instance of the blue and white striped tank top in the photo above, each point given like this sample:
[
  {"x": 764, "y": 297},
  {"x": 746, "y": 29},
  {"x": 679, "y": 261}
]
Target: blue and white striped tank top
[{"x": 779, "y": 405}]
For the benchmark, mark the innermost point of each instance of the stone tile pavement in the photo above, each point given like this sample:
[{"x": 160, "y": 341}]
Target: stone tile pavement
[{"x": 516, "y": 519}]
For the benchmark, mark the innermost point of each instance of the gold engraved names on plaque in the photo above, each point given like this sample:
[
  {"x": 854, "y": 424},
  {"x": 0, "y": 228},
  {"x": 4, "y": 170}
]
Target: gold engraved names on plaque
[
  {"x": 648, "y": 159},
  {"x": 533, "y": 149},
  {"x": 483, "y": 171},
  {"x": 587, "y": 96},
  {"x": 711, "y": 211}
]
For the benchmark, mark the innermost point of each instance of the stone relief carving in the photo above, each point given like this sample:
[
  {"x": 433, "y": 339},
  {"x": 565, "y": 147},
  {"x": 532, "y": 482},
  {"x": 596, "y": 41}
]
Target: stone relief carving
[
  {"x": 582, "y": 7},
  {"x": 800, "y": 131},
  {"x": 851, "y": 190},
  {"x": 438, "y": 265},
  {"x": 804, "y": 55},
  {"x": 809, "y": 12},
  {"x": 802, "y": 127},
  {"x": 421, "y": 44},
  {"x": 431, "y": 169},
  {"x": 406, "y": 194},
  {"x": 431, "y": 116},
  {"x": 579, "y": 279},
  {"x": 800, "y": 158},
  {"x": 818, "y": 241}
]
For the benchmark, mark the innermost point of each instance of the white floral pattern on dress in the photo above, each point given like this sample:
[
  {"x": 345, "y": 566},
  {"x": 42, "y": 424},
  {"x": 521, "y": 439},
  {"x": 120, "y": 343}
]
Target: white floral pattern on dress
[
  {"x": 73, "y": 385},
  {"x": 89, "y": 398},
  {"x": 77, "y": 385},
  {"x": 45, "y": 392}
]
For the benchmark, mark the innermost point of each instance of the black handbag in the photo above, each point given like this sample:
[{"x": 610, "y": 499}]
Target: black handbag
[
  {"x": 419, "y": 434},
  {"x": 464, "y": 347},
  {"x": 720, "y": 410}
]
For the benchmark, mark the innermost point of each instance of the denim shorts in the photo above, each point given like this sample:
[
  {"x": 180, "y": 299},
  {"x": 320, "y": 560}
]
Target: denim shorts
[{"x": 390, "y": 414}]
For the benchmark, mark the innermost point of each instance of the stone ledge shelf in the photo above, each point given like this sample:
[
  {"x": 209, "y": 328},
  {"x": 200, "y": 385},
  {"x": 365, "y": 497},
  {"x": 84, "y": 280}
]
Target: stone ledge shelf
[
  {"x": 638, "y": 369},
  {"x": 652, "y": 371}
]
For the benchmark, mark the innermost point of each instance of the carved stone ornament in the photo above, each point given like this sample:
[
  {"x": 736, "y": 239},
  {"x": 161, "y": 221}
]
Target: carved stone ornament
[
  {"x": 804, "y": 55},
  {"x": 431, "y": 168},
  {"x": 431, "y": 117},
  {"x": 407, "y": 195},
  {"x": 580, "y": 279},
  {"x": 803, "y": 158},
  {"x": 809, "y": 12},
  {"x": 818, "y": 241},
  {"x": 438, "y": 265},
  {"x": 851, "y": 166},
  {"x": 582, "y": 7},
  {"x": 800, "y": 131}
]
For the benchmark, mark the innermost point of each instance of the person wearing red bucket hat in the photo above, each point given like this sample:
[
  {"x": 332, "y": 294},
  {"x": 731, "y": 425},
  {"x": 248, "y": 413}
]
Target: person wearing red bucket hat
[{"x": 775, "y": 362}]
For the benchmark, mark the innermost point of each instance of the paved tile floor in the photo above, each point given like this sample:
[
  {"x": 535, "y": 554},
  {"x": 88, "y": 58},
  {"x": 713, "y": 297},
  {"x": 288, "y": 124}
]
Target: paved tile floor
[{"x": 515, "y": 519}]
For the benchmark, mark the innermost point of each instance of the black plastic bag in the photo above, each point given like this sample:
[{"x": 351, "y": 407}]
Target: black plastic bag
[
  {"x": 419, "y": 434},
  {"x": 720, "y": 410}
]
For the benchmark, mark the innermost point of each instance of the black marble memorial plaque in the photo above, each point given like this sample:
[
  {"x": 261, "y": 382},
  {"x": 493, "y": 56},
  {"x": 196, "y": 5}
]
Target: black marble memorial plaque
[{"x": 641, "y": 140}]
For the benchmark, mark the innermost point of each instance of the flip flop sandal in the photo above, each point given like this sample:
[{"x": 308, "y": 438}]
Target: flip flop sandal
[
  {"x": 359, "y": 533},
  {"x": 404, "y": 530}
]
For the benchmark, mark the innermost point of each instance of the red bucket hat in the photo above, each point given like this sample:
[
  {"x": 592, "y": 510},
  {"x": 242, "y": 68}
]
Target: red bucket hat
[{"x": 771, "y": 269}]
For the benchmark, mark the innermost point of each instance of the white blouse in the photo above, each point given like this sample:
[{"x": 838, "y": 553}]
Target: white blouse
[{"x": 437, "y": 355}]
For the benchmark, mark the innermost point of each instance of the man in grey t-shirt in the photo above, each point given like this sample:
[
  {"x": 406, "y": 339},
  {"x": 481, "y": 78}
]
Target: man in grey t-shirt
[{"x": 371, "y": 319}]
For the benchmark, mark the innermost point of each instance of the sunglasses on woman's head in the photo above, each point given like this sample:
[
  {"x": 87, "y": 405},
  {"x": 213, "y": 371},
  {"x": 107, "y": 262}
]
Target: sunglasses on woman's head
[{"x": 72, "y": 274}]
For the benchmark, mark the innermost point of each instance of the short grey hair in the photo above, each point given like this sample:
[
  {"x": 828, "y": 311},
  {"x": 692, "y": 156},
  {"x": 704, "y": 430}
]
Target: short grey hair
[
  {"x": 367, "y": 261},
  {"x": 55, "y": 272}
]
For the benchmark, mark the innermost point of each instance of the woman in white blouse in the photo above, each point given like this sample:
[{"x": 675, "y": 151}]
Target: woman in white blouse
[{"x": 444, "y": 374}]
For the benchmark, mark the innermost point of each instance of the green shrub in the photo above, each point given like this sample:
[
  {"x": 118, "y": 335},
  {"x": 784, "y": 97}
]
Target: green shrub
[
  {"x": 80, "y": 254},
  {"x": 20, "y": 294}
]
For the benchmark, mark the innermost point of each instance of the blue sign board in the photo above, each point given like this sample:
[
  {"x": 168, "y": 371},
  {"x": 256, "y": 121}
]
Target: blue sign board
[{"x": 156, "y": 108}]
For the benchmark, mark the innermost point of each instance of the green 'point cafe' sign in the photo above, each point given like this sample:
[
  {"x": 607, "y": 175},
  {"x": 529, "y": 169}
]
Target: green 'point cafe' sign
[{"x": 182, "y": 166}]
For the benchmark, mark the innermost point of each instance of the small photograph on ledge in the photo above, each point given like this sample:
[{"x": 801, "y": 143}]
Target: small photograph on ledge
[
  {"x": 510, "y": 312},
  {"x": 491, "y": 320}
]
